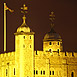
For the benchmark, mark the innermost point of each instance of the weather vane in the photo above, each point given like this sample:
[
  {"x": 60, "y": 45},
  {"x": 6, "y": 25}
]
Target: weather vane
[
  {"x": 52, "y": 18},
  {"x": 24, "y": 9}
]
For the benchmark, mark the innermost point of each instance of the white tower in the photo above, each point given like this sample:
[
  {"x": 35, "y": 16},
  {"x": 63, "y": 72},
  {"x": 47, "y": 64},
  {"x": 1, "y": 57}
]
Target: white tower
[{"x": 24, "y": 47}]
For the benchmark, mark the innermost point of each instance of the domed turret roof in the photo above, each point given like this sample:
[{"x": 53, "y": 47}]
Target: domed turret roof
[
  {"x": 52, "y": 35},
  {"x": 23, "y": 27}
]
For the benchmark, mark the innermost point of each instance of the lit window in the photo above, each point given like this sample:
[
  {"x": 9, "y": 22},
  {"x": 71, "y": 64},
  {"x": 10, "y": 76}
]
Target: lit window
[
  {"x": 14, "y": 71},
  {"x": 36, "y": 72},
  {"x": 44, "y": 72},
  {"x": 58, "y": 43},
  {"x": 30, "y": 37},
  {"x": 6, "y": 72},
  {"x": 24, "y": 37},
  {"x": 72, "y": 74},
  {"x": 52, "y": 72},
  {"x": 50, "y": 43},
  {"x": 41, "y": 72}
]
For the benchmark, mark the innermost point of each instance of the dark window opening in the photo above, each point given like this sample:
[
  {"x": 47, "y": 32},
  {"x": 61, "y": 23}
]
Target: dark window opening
[
  {"x": 41, "y": 72},
  {"x": 6, "y": 72},
  {"x": 21, "y": 31},
  {"x": 72, "y": 53},
  {"x": 36, "y": 52},
  {"x": 58, "y": 43},
  {"x": 52, "y": 72},
  {"x": 50, "y": 43},
  {"x": 58, "y": 50},
  {"x": 44, "y": 72},
  {"x": 72, "y": 74},
  {"x": 24, "y": 37},
  {"x": 65, "y": 54},
  {"x": 30, "y": 37},
  {"x": 14, "y": 71},
  {"x": 36, "y": 72},
  {"x": 30, "y": 46}
]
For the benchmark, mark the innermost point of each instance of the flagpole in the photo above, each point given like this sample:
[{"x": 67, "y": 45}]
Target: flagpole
[{"x": 4, "y": 27}]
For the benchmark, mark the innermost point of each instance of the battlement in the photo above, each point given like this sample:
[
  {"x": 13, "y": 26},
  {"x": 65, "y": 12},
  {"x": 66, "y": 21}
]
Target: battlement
[{"x": 55, "y": 53}]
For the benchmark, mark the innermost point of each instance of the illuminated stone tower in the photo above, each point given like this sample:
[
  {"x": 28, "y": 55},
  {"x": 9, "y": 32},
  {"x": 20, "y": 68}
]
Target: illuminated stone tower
[
  {"x": 52, "y": 41},
  {"x": 24, "y": 47}
]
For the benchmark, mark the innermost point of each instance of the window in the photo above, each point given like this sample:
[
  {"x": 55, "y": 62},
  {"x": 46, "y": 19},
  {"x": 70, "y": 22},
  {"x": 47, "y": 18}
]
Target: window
[
  {"x": 50, "y": 43},
  {"x": 44, "y": 72},
  {"x": 65, "y": 54},
  {"x": 58, "y": 43},
  {"x": 36, "y": 52},
  {"x": 14, "y": 71},
  {"x": 30, "y": 37},
  {"x": 24, "y": 37},
  {"x": 52, "y": 72},
  {"x": 72, "y": 74},
  {"x": 30, "y": 46},
  {"x": 21, "y": 31},
  {"x": 23, "y": 46},
  {"x": 41, "y": 72},
  {"x": 6, "y": 72},
  {"x": 36, "y": 72},
  {"x": 72, "y": 53},
  {"x": 58, "y": 50}
]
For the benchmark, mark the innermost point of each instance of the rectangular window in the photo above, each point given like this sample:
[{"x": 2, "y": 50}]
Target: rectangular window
[
  {"x": 41, "y": 72},
  {"x": 50, "y": 43},
  {"x": 58, "y": 43},
  {"x": 44, "y": 72},
  {"x": 24, "y": 37},
  {"x": 6, "y": 72},
  {"x": 58, "y": 50},
  {"x": 14, "y": 71},
  {"x": 52, "y": 72},
  {"x": 30, "y": 37},
  {"x": 23, "y": 46},
  {"x": 30, "y": 46},
  {"x": 36, "y": 72},
  {"x": 36, "y": 52}
]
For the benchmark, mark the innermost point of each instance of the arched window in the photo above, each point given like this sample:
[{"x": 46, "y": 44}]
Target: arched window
[{"x": 72, "y": 74}]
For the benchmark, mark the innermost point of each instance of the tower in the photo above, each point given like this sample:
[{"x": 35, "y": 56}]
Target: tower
[
  {"x": 24, "y": 48},
  {"x": 52, "y": 41}
]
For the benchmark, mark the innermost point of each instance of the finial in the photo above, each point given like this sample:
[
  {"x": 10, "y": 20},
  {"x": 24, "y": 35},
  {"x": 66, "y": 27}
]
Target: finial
[
  {"x": 24, "y": 11},
  {"x": 52, "y": 18}
]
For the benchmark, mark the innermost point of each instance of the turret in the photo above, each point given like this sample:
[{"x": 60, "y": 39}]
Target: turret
[
  {"x": 52, "y": 41},
  {"x": 24, "y": 48}
]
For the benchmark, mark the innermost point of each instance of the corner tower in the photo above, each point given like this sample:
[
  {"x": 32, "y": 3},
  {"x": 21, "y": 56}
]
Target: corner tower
[
  {"x": 24, "y": 48},
  {"x": 52, "y": 41}
]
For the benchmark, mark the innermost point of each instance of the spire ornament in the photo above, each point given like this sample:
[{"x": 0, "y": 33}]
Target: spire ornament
[
  {"x": 24, "y": 11},
  {"x": 52, "y": 18}
]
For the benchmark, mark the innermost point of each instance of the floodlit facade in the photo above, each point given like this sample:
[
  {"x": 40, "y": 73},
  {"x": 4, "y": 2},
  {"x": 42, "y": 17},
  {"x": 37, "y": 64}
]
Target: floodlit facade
[{"x": 26, "y": 62}]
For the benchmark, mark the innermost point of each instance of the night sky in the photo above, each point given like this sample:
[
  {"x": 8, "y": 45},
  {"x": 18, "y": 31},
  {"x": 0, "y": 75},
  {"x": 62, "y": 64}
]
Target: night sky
[{"x": 38, "y": 20}]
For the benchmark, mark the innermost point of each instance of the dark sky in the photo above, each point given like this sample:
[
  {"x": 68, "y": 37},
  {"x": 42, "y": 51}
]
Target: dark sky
[{"x": 38, "y": 21}]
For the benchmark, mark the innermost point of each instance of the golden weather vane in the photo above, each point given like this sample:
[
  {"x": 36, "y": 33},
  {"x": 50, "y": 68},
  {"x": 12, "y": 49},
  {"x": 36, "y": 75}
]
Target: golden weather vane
[
  {"x": 24, "y": 11},
  {"x": 52, "y": 18}
]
